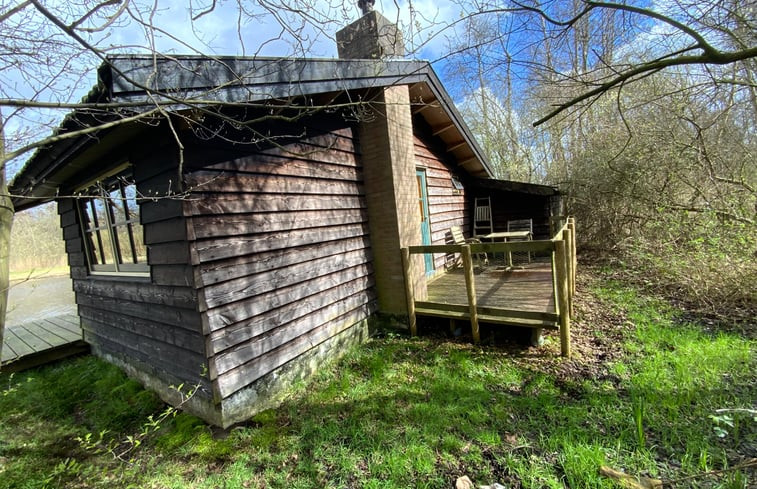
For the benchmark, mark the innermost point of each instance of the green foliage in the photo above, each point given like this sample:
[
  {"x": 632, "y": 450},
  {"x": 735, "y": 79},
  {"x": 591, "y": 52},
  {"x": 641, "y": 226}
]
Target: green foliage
[
  {"x": 701, "y": 260},
  {"x": 402, "y": 412}
]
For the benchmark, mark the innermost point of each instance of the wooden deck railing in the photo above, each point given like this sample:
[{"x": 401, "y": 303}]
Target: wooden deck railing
[{"x": 562, "y": 248}]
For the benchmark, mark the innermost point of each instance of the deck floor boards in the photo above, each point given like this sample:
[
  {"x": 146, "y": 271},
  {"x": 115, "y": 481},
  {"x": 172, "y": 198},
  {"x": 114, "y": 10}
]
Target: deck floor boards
[
  {"x": 37, "y": 342},
  {"x": 527, "y": 289}
]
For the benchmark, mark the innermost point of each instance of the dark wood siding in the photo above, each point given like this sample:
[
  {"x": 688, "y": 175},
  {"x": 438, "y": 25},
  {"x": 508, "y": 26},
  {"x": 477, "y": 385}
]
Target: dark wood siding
[
  {"x": 281, "y": 252},
  {"x": 447, "y": 206},
  {"x": 153, "y": 320}
]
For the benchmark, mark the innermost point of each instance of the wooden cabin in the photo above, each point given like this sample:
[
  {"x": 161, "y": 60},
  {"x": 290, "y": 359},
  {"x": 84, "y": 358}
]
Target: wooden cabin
[{"x": 244, "y": 261}]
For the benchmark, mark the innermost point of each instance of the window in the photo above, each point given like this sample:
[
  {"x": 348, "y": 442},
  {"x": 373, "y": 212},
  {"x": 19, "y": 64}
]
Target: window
[
  {"x": 113, "y": 236},
  {"x": 457, "y": 185}
]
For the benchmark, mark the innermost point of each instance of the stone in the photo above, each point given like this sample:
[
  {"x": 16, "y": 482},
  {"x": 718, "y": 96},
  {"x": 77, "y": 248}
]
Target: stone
[{"x": 464, "y": 482}]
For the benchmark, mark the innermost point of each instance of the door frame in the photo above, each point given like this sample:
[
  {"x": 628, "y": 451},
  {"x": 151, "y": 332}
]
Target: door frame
[{"x": 420, "y": 177}]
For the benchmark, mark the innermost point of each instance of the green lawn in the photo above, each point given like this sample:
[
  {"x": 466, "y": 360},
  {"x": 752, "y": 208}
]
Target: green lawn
[{"x": 640, "y": 395}]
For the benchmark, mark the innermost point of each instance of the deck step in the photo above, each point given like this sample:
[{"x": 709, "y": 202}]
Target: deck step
[{"x": 488, "y": 318}]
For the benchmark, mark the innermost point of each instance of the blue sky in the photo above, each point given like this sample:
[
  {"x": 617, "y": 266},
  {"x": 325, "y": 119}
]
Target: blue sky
[{"x": 219, "y": 33}]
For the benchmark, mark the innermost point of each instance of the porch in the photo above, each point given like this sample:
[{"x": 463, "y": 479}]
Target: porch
[
  {"x": 537, "y": 293},
  {"x": 42, "y": 341}
]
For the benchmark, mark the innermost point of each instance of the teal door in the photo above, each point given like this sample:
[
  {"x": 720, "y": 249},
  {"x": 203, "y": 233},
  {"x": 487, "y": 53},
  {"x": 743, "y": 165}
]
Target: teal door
[{"x": 420, "y": 176}]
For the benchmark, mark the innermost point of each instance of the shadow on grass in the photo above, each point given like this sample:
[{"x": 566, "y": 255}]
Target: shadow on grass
[{"x": 410, "y": 412}]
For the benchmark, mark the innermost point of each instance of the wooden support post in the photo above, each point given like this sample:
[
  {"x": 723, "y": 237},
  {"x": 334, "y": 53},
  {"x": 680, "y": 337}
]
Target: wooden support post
[
  {"x": 470, "y": 288},
  {"x": 572, "y": 227},
  {"x": 568, "y": 238},
  {"x": 555, "y": 293},
  {"x": 409, "y": 292},
  {"x": 561, "y": 269},
  {"x": 536, "y": 338}
]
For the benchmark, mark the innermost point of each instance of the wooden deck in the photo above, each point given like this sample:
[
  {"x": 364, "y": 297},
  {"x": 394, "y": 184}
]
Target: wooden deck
[
  {"x": 516, "y": 297},
  {"x": 38, "y": 342},
  {"x": 529, "y": 288},
  {"x": 538, "y": 295}
]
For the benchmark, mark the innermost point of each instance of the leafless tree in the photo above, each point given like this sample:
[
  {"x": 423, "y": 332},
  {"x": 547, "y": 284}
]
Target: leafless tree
[{"x": 49, "y": 53}]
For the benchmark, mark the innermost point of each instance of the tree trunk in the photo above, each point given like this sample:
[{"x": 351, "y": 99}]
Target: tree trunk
[{"x": 6, "y": 221}]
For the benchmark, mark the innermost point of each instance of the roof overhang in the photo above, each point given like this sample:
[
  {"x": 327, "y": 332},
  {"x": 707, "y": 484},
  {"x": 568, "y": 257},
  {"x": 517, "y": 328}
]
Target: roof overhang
[
  {"x": 139, "y": 82},
  {"x": 517, "y": 187}
]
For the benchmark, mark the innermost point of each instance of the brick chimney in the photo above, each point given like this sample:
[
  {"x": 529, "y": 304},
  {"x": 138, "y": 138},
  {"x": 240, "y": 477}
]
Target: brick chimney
[
  {"x": 389, "y": 166},
  {"x": 372, "y": 36}
]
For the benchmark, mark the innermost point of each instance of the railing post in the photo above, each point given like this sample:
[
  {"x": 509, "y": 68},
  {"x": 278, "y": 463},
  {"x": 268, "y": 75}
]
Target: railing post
[
  {"x": 561, "y": 267},
  {"x": 470, "y": 288},
  {"x": 409, "y": 291},
  {"x": 573, "y": 255},
  {"x": 567, "y": 236}
]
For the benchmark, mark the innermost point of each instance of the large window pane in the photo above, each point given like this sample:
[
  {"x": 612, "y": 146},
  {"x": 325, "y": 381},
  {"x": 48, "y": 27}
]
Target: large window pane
[{"x": 113, "y": 234}]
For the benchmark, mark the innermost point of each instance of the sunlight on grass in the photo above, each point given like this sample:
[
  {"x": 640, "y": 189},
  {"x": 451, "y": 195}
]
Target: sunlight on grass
[{"x": 401, "y": 412}]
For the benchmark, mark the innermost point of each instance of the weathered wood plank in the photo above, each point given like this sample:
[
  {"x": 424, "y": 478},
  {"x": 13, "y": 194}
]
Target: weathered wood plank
[
  {"x": 151, "y": 211},
  {"x": 239, "y": 224},
  {"x": 486, "y": 318},
  {"x": 358, "y": 278},
  {"x": 74, "y": 245},
  {"x": 35, "y": 342},
  {"x": 66, "y": 329},
  {"x": 261, "y": 283},
  {"x": 317, "y": 308},
  {"x": 245, "y": 374},
  {"x": 172, "y": 275},
  {"x": 535, "y": 246},
  {"x": 221, "y": 248},
  {"x": 139, "y": 292},
  {"x": 78, "y": 272},
  {"x": 457, "y": 207},
  {"x": 149, "y": 330},
  {"x": 170, "y": 315},
  {"x": 69, "y": 218},
  {"x": 561, "y": 275},
  {"x": 244, "y": 265},
  {"x": 166, "y": 231},
  {"x": 16, "y": 344},
  {"x": 63, "y": 334},
  {"x": 71, "y": 232},
  {"x": 174, "y": 253},
  {"x": 178, "y": 363},
  {"x": 409, "y": 292},
  {"x": 318, "y": 164},
  {"x": 65, "y": 205},
  {"x": 218, "y": 182},
  {"x": 224, "y": 204},
  {"x": 77, "y": 260},
  {"x": 529, "y": 290},
  {"x": 277, "y": 337}
]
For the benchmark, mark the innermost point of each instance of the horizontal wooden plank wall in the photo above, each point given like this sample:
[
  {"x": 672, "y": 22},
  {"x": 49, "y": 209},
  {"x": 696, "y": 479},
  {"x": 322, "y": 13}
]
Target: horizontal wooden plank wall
[
  {"x": 447, "y": 205},
  {"x": 281, "y": 252},
  {"x": 149, "y": 321}
]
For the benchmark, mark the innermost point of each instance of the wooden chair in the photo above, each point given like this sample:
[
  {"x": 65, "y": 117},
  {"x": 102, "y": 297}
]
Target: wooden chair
[
  {"x": 482, "y": 216},
  {"x": 459, "y": 238},
  {"x": 522, "y": 225}
]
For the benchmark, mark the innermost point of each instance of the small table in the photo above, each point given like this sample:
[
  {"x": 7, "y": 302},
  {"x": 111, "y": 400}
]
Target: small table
[{"x": 509, "y": 235}]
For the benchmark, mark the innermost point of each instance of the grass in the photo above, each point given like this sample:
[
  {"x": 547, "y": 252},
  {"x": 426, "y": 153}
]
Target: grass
[{"x": 405, "y": 412}]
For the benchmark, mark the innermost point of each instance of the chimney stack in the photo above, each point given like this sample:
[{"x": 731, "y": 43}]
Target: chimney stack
[
  {"x": 387, "y": 153},
  {"x": 372, "y": 36}
]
